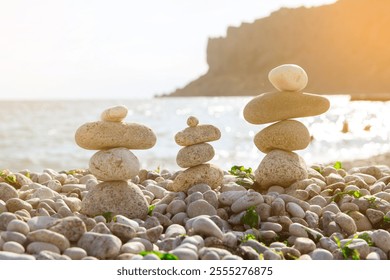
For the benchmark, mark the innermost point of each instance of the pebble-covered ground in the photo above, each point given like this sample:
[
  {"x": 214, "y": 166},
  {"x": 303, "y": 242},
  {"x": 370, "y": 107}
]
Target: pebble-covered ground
[{"x": 334, "y": 214}]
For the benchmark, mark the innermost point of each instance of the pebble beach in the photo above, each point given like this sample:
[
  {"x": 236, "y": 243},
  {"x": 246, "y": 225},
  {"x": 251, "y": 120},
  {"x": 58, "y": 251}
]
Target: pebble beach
[{"x": 315, "y": 218}]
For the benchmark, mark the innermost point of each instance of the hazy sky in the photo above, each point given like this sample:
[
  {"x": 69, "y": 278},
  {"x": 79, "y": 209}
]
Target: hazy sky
[{"x": 113, "y": 49}]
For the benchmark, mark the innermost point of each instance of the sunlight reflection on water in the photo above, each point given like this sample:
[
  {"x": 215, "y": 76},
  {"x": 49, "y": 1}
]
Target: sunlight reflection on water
[{"x": 40, "y": 134}]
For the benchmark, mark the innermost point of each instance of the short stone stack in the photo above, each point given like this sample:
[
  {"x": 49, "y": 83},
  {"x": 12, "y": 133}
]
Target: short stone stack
[
  {"x": 195, "y": 155},
  {"x": 281, "y": 166},
  {"x": 115, "y": 164}
]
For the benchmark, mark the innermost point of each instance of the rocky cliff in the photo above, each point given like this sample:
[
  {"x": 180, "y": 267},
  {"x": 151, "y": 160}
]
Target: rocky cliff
[{"x": 344, "y": 47}]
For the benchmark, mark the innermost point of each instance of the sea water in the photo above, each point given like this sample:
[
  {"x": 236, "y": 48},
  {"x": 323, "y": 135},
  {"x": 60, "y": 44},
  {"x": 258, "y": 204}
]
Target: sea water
[{"x": 36, "y": 135}]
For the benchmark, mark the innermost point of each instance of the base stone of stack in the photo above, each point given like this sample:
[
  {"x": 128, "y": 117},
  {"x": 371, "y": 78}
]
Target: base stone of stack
[
  {"x": 118, "y": 197},
  {"x": 280, "y": 168},
  {"x": 207, "y": 173}
]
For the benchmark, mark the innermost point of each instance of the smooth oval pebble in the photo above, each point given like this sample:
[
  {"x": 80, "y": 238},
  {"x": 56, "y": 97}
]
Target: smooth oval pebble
[
  {"x": 277, "y": 106},
  {"x": 14, "y": 256},
  {"x": 194, "y": 155},
  {"x": 107, "y": 135},
  {"x": 114, "y": 114},
  {"x": 346, "y": 223},
  {"x": 13, "y": 236},
  {"x": 114, "y": 164},
  {"x": 184, "y": 254},
  {"x": 35, "y": 248},
  {"x": 295, "y": 210},
  {"x": 44, "y": 235},
  {"x": 176, "y": 206},
  {"x": 200, "y": 207},
  {"x": 75, "y": 253},
  {"x": 229, "y": 197},
  {"x": 321, "y": 254},
  {"x": 289, "y": 77},
  {"x": 12, "y": 246},
  {"x": 288, "y": 135},
  {"x": 7, "y": 192},
  {"x": 204, "y": 226},
  {"x": 18, "y": 226},
  {"x": 133, "y": 247},
  {"x": 101, "y": 246},
  {"x": 361, "y": 221},
  {"x": 174, "y": 230},
  {"x": 246, "y": 201},
  {"x": 15, "y": 204},
  {"x": 304, "y": 245},
  {"x": 197, "y": 134},
  {"x": 381, "y": 238}
]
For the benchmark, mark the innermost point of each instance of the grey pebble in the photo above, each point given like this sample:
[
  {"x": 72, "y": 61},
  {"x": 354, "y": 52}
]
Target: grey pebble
[
  {"x": 200, "y": 207},
  {"x": 13, "y": 256},
  {"x": 101, "y": 246}
]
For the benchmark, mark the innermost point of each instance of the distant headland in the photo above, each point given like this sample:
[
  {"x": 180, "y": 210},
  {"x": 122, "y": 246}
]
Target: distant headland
[{"x": 342, "y": 46}]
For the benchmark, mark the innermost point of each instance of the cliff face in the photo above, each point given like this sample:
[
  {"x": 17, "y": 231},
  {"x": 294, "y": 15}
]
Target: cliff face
[{"x": 344, "y": 48}]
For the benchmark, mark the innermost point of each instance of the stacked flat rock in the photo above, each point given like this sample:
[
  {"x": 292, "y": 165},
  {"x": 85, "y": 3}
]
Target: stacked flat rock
[
  {"x": 281, "y": 166},
  {"x": 114, "y": 163},
  {"x": 195, "y": 155}
]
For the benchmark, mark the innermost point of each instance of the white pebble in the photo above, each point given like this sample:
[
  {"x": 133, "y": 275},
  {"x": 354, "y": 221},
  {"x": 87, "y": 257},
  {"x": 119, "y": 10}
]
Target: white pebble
[
  {"x": 14, "y": 247},
  {"x": 288, "y": 77},
  {"x": 18, "y": 226}
]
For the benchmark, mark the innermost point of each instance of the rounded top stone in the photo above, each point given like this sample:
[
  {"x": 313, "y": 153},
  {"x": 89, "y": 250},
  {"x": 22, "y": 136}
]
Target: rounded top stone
[
  {"x": 114, "y": 114},
  {"x": 288, "y": 77},
  {"x": 192, "y": 121}
]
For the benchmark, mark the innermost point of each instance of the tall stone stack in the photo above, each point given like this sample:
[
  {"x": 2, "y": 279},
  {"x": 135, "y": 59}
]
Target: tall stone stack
[
  {"x": 281, "y": 166},
  {"x": 114, "y": 164},
  {"x": 195, "y": 155}
]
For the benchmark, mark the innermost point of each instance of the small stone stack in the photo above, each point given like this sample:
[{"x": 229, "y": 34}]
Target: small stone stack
[
  {"x": 115, "y": 164},
  {"x": 281, "y": 166},
  {"x": 195, "y": 155}
]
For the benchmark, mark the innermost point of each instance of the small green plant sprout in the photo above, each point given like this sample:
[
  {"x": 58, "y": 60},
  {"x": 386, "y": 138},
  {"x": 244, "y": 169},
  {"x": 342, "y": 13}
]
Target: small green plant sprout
[
  {"x": 9, "y": 178},
  {"x": 241, "y": 172},
  {"x": 244, "y": 175},
  {"x": 247, "y": 237},
  {"x": 338, "y": 165},
  {"x": 366, "y": 237},
  {"x": 347, "y": 252},
  {"x": 158, "y": 170},
  {"x": 338, "y": 196},
  {"x": 372, "y": 200},
  {"x": 150, "y": 209},
  {"x": 162, "y": 256},
  {"x": 386, "y": 219},
  {"x": 71, "y": 172},
  {"x": 251, "y": 218},
  {"x": 107, "y": 216}
]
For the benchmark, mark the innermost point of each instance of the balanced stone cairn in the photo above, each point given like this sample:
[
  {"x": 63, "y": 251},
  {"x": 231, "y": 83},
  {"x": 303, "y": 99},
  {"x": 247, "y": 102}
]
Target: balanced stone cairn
[
  {"x": 114, "y": 164},
  {"x": 281, "y": 166},
  {"x": 195, "y": 155}
]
